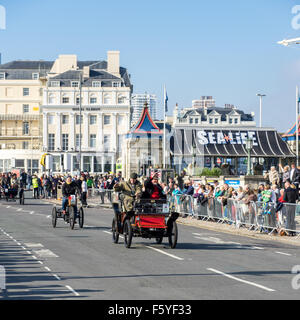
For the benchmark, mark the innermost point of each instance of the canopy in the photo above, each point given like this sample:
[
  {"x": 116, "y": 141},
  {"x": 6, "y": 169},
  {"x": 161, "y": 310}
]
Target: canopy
[
  {"x": 229, "y": 143},
  {"x": 291, "y": 134}
]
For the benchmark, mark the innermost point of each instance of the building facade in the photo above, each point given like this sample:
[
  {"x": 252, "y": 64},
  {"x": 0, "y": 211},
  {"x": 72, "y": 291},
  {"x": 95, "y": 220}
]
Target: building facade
[
  {"x": 21, "y": 97},
  {"x": 137, "y": 104},
  {"x": 86, "y": 114}
]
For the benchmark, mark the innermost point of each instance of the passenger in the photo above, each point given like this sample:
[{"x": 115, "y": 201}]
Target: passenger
[{"x": 153, "y": 190}]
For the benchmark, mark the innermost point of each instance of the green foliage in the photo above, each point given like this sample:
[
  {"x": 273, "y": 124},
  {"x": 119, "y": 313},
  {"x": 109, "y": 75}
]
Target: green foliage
[{"x": 215, "y": 172}]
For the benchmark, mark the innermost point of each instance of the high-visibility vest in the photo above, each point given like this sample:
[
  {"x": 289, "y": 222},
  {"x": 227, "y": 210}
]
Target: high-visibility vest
[{"x": 35, "y": 183}]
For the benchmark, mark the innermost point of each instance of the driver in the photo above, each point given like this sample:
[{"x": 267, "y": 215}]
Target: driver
[
  {"x": 69, "y": 188},
  {"x": 130, "y": 189}
]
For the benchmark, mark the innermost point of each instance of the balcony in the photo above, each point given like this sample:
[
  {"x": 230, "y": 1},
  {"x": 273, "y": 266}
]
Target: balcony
[
  {"x": 20, "y": 117},
  {"x": 19, "y": 133}
]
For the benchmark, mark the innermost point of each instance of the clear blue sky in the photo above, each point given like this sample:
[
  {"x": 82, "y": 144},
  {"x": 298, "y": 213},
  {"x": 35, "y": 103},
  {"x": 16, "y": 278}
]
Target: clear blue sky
[{"x": 227, "y": 49}]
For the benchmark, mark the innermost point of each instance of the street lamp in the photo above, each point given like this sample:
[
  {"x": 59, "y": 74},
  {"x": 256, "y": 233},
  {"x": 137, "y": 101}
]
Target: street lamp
[
  {"x": 260, "y": 107},
  {"x": 249, "y": 147},
  {"x": 194, "y": 152}
]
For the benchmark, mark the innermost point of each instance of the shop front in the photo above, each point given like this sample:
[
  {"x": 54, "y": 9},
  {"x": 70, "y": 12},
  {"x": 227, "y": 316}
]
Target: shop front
[{"x": 210, "y": 148}]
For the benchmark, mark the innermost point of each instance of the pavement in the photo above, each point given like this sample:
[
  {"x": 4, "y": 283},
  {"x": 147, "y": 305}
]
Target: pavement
[{"x": 46, "y": 263}]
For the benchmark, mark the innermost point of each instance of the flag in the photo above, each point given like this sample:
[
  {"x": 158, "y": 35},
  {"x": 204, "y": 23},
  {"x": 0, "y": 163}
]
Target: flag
[{"x": 166, "y": 101}]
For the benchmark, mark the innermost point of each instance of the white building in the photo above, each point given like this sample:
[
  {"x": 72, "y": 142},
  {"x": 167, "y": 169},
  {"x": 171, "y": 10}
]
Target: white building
[
  {"x": 137, "y": 104},
  {"x": 204, "y": 102},
  {"x": 105, "y": 114}
]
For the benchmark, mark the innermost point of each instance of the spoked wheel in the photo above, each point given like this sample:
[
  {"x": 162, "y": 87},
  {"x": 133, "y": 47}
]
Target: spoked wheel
[
  {"x": 71, "y": 217},
  {"x": 173, "y": 234},
  {"x": 128, "y": 233},
  {"x": 81, "y": 217},
  {"x": 54, "y": 217},
  {"x": 115, "y": 234}
]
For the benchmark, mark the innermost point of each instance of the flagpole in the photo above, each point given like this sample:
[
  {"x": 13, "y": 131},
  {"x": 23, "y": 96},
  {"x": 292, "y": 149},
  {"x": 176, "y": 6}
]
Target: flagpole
[
  {"x": 297, "y": 126},
  {"x": 164, "y": 151}
]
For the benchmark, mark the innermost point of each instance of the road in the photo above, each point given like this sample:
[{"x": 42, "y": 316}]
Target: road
[{"x": 45, "y": 263}]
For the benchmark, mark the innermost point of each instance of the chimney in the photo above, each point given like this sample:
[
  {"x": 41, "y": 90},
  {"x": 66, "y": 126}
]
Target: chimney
[
  {"x": 86, "y": 72},
  {"x": 64, "y": 63},
  {"x": 113, "y": 63}
]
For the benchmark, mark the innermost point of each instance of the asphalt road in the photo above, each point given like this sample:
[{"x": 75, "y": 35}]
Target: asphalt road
[{"x": 46, "y": 263}]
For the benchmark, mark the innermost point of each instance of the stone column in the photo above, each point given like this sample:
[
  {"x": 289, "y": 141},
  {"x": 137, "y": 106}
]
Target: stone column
[
  {"x": 45, "y": 130},
  {"x": 100, "y": 133},
  {"x": 58, "y": 131},
  {"x": 72, "y": 131},
  {"x": 85, "y": 142}
]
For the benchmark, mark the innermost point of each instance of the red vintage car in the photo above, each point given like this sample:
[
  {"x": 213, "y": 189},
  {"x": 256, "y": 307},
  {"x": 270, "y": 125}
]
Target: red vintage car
[{"x": 152, "y": 219}]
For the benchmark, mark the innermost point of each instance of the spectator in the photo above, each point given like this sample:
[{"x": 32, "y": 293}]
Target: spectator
[
  {"x": 290, "y": 196},
  {"x": 273, "y": 176}
]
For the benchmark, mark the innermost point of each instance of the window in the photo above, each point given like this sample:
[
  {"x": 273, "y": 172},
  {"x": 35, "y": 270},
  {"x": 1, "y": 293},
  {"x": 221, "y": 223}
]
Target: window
[
  {"x": 2, "y": 75},
  {"x": 216, "y": 121},
  {"x": 74, "y": 84},
  {"x": 55, "y": 83},
  {"x": 116, "y": 84},
  {"x": 25, "y": 108},
  {"x": 106, "y": 142},
  {"x": 236, "y": 121},
  {"x": 93, "y": 100},
  {"x": 121, "y": 99},
  {"x": 25, "y": 145},
  {"x": 121, "y": 120},
  {"x": 96, "y": 84},
  {"x": 78, "y": 140},
  {"x": 106, "y": 120},
  {"x": 78, "y": 119},
  {"x": 107, "y": 99},
  {"x": 210, "y": 121},
  {"x": 230, "y": 121},
  {"x": 26, "y": 128},
  {"x": 35, "y": 76},
  {"x": 196, "y": 121},
  {"x": 65, "y": 100},
  {"x": 78, "y": 100},
  {"x": 51, "y": 142},
  {"x": 65, "y": 142},
  {"x": 20, "y": 163},
  {"x": 93, "y": 119},
  {"x": 92, "y": 141},
  {"x": 51, "y": 99},
  {"x": 191, "y": 121},
  {"x": 65, "y": 119},
  {"x": 25, "y": 92},
  {"x": 50, "y": 119}
]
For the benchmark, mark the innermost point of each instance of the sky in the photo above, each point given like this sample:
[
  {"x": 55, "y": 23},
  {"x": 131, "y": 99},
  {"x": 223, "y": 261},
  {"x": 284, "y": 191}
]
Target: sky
[{"x": 225, "y": 49}]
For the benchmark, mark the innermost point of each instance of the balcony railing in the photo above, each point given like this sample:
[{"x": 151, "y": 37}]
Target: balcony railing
[
  {"x": 20, "y": 117},
  {"x": 19, "y": 133}
]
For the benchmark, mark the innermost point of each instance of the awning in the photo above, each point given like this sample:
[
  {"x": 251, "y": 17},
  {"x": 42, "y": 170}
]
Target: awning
[{"x": 229, "y": 143}]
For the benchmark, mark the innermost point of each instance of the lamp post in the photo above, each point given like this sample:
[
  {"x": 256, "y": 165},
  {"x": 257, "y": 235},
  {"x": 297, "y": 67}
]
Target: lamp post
[
  {"x": 194, "y": 151},
  {"x": 260, "y": 108},
  {"x": 249, "y": 147}
]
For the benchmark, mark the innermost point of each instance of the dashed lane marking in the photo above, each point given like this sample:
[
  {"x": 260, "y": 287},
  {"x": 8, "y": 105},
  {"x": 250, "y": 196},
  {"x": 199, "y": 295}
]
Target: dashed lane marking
[
  {"x": 241, "y": 280},
  {"x": 165, "y": 253}
]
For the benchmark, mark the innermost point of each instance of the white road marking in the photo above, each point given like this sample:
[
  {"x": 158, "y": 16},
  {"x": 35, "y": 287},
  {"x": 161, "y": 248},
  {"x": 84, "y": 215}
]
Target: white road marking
[
  {"x": 40, "y": 262},
  {"x": 166, "y": 253},
  {"x": 72, "y": 290},
  {"x": 18, "y": 243},
  {"x": 258, "y": 248},
  {"x": 28, "y": 252},
  {"x": 48, "y": 269},
  {"x": 107, "y": 232},
  {"x": 283, "y": 253},
  {"x": 20, "y": 209},
  {"x": 34, "y": 257},
  {"x": 241, "y": 280},
  {"x": 56, "y": 276},
  {"x": 8, "y": 207},
  {"x": 45, "y": 253},
  {"x": 217, "y": 240},
  {"x": 31, "y": 212},
  {"x": 34, "y": 245}
]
